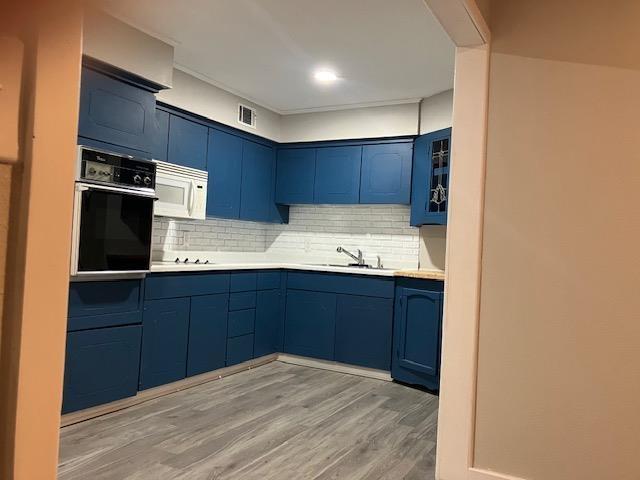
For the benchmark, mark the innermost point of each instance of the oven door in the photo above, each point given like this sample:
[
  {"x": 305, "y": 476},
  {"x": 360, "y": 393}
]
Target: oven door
[{"x": 111, "y": 230}]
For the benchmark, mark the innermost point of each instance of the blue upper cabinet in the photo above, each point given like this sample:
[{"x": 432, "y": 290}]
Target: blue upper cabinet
[
  {"x": 386, "y": 173},
  {"x": 258, "y": 172},
  {"x": 116, "y": 112},
  {"x": 337, "y": 178},
  {"x": 187, "y": 143},
  {"x": 430, "y": 185},
  {"x": 417, "y": 336},
  {"x": 295, "y": 175},
  {"x": 160, "y": 139},
  {"x": 224, "y": 164}
]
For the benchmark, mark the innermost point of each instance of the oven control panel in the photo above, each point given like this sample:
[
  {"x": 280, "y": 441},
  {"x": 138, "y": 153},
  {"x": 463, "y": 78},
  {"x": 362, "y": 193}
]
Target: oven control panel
[{"x": 115, "y": 169}]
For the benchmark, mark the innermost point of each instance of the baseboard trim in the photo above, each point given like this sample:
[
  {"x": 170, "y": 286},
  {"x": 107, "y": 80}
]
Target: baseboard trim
[
  {"x": 335, "y": 366},
  {"x": 161, "y": 391},
  {"x": 481, "y": 474}
]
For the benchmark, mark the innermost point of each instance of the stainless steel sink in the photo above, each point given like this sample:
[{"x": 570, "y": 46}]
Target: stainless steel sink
[{"x": 350, "y": 265}]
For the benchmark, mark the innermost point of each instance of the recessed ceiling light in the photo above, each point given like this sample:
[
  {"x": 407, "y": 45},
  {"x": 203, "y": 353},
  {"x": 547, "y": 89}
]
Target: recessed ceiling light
[{"x": 325, "y": 76}]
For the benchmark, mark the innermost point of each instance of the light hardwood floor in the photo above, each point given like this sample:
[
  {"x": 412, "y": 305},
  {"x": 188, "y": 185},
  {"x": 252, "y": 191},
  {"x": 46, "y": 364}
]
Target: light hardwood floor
[{"x": 277, "y": 421}]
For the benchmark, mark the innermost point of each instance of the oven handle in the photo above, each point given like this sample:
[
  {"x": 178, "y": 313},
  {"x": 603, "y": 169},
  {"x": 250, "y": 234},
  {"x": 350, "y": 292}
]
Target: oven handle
[{"x": 82, "y": 187}]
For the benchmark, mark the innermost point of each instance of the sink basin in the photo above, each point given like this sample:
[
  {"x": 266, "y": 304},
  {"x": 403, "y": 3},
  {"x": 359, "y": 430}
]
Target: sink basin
[{"x": 350, "y": 265}]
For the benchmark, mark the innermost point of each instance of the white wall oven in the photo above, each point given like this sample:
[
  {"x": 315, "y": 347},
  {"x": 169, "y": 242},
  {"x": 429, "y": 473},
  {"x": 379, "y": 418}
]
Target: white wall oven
[{"x": 113, "y": 214}]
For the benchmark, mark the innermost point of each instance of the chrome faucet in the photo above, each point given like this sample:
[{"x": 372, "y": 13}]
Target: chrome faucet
[{"x": 358, "y": 259}]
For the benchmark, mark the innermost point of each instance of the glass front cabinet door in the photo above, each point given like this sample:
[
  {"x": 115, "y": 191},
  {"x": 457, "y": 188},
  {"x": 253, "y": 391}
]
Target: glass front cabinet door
[{"x": 430, "y": 184}]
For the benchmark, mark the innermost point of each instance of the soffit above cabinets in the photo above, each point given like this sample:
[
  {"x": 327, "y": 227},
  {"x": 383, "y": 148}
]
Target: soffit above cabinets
[{"x": 384, "y": 52}]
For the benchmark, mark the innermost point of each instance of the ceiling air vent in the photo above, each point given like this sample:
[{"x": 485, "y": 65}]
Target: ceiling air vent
[{"x": 247, "y": 116}]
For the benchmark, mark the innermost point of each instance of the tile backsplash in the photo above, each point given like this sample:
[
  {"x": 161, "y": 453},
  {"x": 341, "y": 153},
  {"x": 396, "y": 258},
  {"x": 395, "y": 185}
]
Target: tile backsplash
[{"x": 313, "y": 230}]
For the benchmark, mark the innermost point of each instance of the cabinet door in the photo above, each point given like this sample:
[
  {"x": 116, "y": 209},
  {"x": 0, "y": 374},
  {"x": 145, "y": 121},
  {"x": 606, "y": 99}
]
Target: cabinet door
[
  {"x": 116, "y": 112},
  {"x": 310, "y": 324},
  {"x": 416, "y": 337},
  {"x": 239, "y": 349},
  {"x": 207, "y": 333},
  {"x": 164, "y": 342},
  {"x": 258, "y": 170},
  {"x": 364, "y": 331},
  {"x": 430, "y": 184},
  {"x": 224, "y": 164},
  {"x": 187, "y": 143},
  {"x": 160, "y": 139},
  {"x": 269, "y": 323},
  {"x": 337, "y": 175},
  {"x": 386, "y": 173},
  {"x": 101, "y": 366},
  {"x": 295, "y": 175}
]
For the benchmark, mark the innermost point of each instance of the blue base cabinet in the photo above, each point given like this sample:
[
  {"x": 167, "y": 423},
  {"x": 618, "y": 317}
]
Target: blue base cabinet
[
  {"x": 363, "y": 331},
  {"x": 417, "y": 333},
  {"x": 207, "y": 333},
  {"x": 430, "y": 183},
  {"x": 164, "y": 341},
  {"x": 310, "y": 320},
  {"x": 269, "y": 326},
  {"x": 101, "y": 366}
]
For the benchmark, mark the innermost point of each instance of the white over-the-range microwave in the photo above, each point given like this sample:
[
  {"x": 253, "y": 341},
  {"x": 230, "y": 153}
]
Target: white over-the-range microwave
[{"x": 181, "y": 191}]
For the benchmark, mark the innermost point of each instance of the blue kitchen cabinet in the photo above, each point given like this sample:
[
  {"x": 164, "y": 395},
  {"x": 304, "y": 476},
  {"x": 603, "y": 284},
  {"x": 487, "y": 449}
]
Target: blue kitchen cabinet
[
  {"x": 116, "y": 112},
  {"x": 224, "y": 164},
  {"x": 337, "y": 178},
  {"x": 207, "y": 347},
  {"x": 430, "y": 184},
  {"x": 101, "y": 366},
  {"x": 310, "y": 322},
  {"x": 160, "y": 138},
  {"x": 417, "y": 335},
  {"x": 164, "y": 341},
  {"x": 364, "y": 331},
  {"x": 269, "y": 326},
  {"x": 187, "y": 143},
  {"x": 295, "y": 178},
  {"x": 386, "y": 173},
  {"x": 258, "y": 175},
  {"x": 239, "y": 349}
]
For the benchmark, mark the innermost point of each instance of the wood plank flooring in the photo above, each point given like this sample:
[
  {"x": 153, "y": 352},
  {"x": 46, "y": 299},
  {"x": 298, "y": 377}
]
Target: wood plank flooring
[{"x": 278, "y": 421}]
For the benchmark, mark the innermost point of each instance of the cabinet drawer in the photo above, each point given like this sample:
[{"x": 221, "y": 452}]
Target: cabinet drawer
[
  {"x": 269, "y": 280},
  {"x": 239, "y": 349},
  {"x": 185, "y": 285},
  {"x": 242, "y": 300},
  {"x": 241, "y": 323},
  {"x": 242, "y": 282},
  {"x": 107, "y": 320},
  {"x": 100, "y": 298},
  {"x": 341, "y": 283}
]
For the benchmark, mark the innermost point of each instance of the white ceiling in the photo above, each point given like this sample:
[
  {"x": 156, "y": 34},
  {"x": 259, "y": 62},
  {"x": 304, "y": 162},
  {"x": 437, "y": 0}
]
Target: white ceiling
[{"x": 385, "y": 51}]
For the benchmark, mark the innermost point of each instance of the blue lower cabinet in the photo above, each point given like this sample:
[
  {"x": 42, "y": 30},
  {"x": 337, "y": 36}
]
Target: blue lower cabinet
[
  {"x": 207, "y": 334},
  {"x": 239, "y": 349},
  {"x": 417, "y": 336},
  {"x": 269, "y": 323},
  {"x": 364, "y": 331},
  {"x": 241, "y": 322},
  {"x": 101, "y": 366},
  {"x": 164, "y": 341},
  {"x": 310, "y": 324},
  {"x": 104, "y": 297}
]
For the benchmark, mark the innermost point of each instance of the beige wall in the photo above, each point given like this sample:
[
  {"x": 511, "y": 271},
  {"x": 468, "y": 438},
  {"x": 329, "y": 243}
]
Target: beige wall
[
  {"x": 558, "y": 383},
  {"x": 436, "y": 112}
]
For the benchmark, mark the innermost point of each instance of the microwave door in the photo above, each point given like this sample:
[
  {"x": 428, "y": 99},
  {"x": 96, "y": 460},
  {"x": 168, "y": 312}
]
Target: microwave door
[{"x": 175, "y": 197}]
